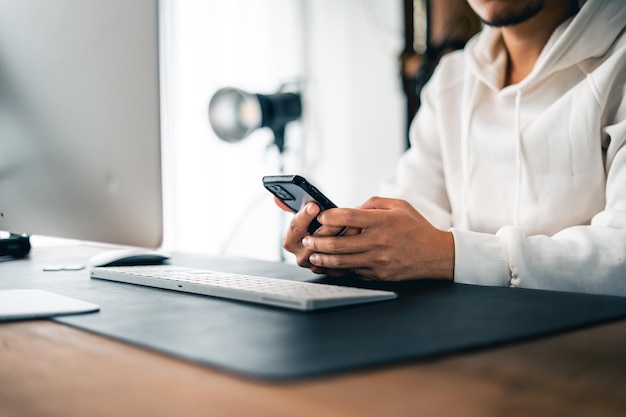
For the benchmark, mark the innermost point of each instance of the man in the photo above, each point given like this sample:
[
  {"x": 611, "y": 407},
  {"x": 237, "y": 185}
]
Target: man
[{"x": 516, "y": 173}]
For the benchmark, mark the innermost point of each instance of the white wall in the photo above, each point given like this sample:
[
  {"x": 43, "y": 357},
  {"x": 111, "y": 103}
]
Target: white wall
[
  {"x": 344, "y": 52},
  {"x": 356, "y": 116}
]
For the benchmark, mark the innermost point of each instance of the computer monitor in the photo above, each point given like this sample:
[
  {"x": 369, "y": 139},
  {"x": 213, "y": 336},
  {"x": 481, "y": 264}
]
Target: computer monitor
[{"x": 80, "y": 152}]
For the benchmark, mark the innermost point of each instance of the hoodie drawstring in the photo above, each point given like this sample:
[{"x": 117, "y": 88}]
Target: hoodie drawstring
[
  {"x": 465, "y": 154},
  {"x": 465, "y": 148},
  {"x": 518, "y": 155}
]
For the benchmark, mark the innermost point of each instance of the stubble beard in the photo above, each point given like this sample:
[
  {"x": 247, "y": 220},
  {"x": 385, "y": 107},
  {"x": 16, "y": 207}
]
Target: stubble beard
[{"x": 510, "y": 18}]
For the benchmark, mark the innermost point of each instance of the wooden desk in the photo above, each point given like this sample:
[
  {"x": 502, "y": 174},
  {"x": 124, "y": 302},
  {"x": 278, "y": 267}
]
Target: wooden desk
[
  {"x": 49, "y": 369},
  {"x": 54, "y": 370}
]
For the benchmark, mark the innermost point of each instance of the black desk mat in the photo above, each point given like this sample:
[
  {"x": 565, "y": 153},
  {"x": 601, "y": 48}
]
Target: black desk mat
[{"x": 429, "y": 319}]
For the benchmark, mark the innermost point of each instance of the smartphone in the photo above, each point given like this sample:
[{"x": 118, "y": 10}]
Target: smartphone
[{"x": 295, "y": 192}]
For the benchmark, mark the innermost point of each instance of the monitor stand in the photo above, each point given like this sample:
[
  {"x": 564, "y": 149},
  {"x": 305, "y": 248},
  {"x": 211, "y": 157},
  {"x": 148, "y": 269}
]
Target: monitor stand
[{"x": 14, "y": 246}]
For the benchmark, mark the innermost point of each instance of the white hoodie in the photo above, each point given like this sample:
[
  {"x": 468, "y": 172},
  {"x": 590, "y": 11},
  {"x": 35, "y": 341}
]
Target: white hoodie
[{"x": 530, "y": 178}]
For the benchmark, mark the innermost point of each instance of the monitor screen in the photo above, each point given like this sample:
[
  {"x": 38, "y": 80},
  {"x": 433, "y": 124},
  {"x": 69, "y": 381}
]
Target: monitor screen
[{"x": 80, "y": 153}]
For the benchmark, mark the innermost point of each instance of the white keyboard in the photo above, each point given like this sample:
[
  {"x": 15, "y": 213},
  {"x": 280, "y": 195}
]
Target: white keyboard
[{"x": 272, "y": 291}]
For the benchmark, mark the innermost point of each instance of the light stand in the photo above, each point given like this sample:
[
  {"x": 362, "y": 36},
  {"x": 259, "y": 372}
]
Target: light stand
[{"x": 234, "y": 114}]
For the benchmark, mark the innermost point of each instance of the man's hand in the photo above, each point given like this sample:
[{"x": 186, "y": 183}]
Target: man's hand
[
  {"x": 394, "y": 242},
  {"x": 298, "y": 230}
]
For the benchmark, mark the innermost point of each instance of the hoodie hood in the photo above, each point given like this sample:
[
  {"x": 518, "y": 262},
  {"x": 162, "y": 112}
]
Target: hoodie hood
[{"x": 601, "y": 21}]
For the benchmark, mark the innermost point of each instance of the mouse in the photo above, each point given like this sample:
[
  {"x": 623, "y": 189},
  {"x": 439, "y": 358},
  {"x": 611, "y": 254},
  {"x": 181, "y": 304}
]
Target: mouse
[{"x": 129, "y": 257}]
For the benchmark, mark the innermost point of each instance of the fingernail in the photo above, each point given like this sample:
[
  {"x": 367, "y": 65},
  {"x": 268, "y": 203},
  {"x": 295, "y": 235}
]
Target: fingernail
[
  {"x": 310, "y": 208},
  {"x": 306, "y": 241},
  {"x": 314, "y": 259}
]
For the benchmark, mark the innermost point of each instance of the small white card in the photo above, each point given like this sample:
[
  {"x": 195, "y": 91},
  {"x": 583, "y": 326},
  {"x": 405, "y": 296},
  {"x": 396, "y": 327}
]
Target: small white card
[{"x": 31, "y": 304}]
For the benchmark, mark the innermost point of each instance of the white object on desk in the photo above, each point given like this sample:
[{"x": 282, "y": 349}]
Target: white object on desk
[
  {"x": 127, "y": 257},
  {"x": 31, "y": 304}
]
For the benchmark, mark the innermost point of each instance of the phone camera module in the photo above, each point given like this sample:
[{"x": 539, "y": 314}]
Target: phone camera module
[{"x": 281, "y": 193}]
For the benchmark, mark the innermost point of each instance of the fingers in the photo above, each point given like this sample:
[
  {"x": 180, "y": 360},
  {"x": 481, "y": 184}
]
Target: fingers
[
  {"x": 331, "y": 244},
  {"x": 352, "y": 262},
  {"x": 298, "y": 226},
  {"x": 346, "y": 252},
  {"x": 298, "y": 230},
  {"x": 303, "y": 219},
  {"x": 341, "y": 217},
  {"x": 363, "y": 216},
  {"x": 330, "y": 254},
  {"x": 327, "y": 252}
]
